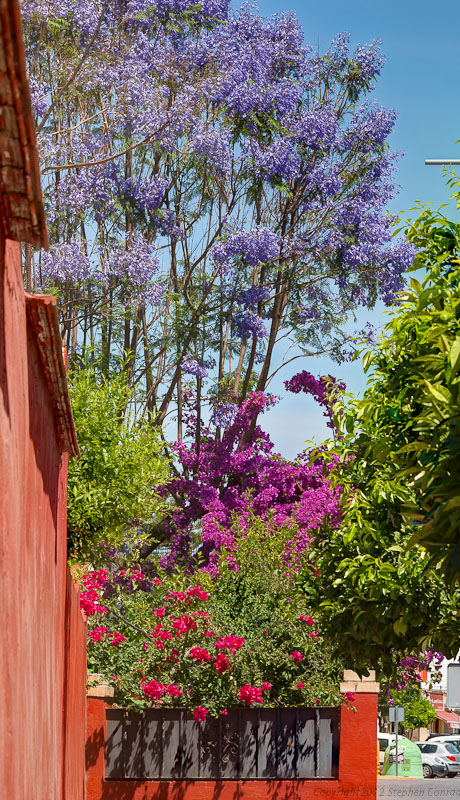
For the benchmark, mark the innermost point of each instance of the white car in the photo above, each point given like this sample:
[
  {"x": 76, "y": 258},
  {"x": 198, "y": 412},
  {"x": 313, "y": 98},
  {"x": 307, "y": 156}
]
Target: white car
[{"x": 435, "y": 753}]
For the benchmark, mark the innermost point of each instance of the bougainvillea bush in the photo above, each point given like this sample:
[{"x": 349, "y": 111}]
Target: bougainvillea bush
[
  {"x": 240, "y": 474},
  {"x": 243, "y": 637}
]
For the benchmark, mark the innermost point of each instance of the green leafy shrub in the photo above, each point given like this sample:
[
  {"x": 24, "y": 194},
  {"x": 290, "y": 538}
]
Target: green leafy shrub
[{"x": 111, "y": 486}]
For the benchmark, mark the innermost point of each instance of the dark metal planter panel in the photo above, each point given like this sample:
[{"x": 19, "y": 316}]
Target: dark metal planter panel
[{"x": 266, "y": 743}]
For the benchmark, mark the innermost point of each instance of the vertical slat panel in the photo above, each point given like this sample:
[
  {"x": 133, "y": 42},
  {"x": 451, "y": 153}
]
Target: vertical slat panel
[
  {"x": 190, "y": 746},
  {"x": 249, "y": 725},
  {"x": 266, "y": 743},
  {"x": 306, "y": 742},
  {"x": 231, "y": 744},
  {"x": 171, "y": 737},
  {"x": 335, "y": 717},
  {"x": 324, "y": 765},
  {"x": 210, "y": 739},
  {"x": 283, "y": 743},
  {"x": 133, "y": 745},
  {"x": 286, "y": 743},
  {"x": 153, "y": 742},
  {"x": 114, "y": 761}
]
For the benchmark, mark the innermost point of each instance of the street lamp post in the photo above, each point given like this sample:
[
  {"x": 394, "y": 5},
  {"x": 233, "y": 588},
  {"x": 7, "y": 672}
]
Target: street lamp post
[{"x": 441, "y": 162}]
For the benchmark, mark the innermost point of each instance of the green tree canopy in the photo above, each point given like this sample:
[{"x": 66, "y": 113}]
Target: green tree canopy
[{"x": 388, "y": 575}]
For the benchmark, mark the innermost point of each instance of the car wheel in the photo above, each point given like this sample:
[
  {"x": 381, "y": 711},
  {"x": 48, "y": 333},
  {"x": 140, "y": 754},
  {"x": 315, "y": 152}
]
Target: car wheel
[
  {"x": 452, "y": 774},
  {"x": 427, "y": 771}
]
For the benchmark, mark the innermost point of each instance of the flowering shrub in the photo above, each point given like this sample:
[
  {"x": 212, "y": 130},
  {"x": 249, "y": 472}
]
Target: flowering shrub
[{"x": 238, "y": 637}]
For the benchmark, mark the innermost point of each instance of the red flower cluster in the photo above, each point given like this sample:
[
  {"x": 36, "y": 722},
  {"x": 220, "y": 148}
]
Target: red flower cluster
[
  {"x": 161, "y": 635},
  {"x": 307, "y": 619},
  {"x": 200, "y": 713},
  {"x": 183, "y": 624},
  {"x": 137, "y": 576},
  {"x": 221, "y": 663},
  {"x": 97, "y": 634},
  {"x": 155, "y": 690},
  {"x": 200, "y": 654},
  {"x": 90, "y": 601},
  {"x": 296, "y": 656},
  {"x": 197, "y": 591},
  {"x": 188, "y": 595},
  {"x": 252, "y": 694},
  {"x": 230, "y": 643}
]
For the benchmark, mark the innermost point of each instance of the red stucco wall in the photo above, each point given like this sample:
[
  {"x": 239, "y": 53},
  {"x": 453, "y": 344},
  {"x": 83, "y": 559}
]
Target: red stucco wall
[
  {"x": 357, "y": 767},
  {"x": 42, "y": 646}
]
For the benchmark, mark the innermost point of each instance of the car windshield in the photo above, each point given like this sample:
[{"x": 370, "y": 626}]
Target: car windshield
[{"x": 450, "y": 747}]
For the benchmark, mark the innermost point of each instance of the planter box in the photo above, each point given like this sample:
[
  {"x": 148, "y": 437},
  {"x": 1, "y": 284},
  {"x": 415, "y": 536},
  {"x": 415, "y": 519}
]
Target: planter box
[{"x": 247, "y": 744}]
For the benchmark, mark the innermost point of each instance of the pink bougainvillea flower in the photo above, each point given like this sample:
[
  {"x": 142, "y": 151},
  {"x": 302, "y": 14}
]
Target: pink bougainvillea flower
[
  {"x": 300, "y": 685},
  {"x": 117, "y": 639},
  {"x": 230, "y": 643},
  {"x": 313, "y": 633},
  {"x": 306, "y": 618},
  {"x": 222, "y": 663},
  {"x": 350, "y": 697},
  {"x": 160, "y": 612},
  {"x": 252, "y": 694},
  {"x": 200, "y": 654},
  {"x": 153, "y": 690},
  {"x": 318, "y": 701},
  {"x": 157, "y": 581},
  {"x": 200, "y": 713},
  {"x": 197, "y": 591},
  {"x": 296, "y": 656},
  {"x": 173, "y": 690},
  {"x": 97, "y": 633},
  {"x": 183, "y": 624},
  {"x": 224, "y": 712}
]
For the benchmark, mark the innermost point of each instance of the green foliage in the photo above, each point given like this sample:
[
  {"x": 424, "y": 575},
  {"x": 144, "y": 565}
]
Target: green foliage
[
  {"x": 256, "y": 601},
  {"x": 418, "y": 711},
  {"x": 111, "y": 486},
  {"x": 388, "y": 575}
]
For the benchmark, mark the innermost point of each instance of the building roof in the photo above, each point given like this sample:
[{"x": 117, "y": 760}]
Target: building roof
[{"x": 21, "y": 205}]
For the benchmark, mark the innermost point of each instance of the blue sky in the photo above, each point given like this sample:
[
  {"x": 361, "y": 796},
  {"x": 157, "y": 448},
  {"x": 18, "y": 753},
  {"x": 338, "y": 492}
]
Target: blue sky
[{"x": 421, "y": 41}]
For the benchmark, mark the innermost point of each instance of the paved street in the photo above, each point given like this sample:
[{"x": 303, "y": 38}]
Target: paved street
[{"x": 429, "y": 788}]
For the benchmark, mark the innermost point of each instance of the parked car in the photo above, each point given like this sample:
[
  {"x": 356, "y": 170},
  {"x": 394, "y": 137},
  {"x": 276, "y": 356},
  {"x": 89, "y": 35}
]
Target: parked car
[
  {"x": 434, "y": 754},
  {"x": 451, "y": 738}
]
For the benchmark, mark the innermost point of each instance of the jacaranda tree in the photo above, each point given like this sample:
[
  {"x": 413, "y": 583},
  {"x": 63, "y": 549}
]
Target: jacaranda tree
[{"x": 215, "y": 188}]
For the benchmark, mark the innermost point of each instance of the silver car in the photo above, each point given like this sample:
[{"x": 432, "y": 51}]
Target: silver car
[{"x": 432, "y": 751}]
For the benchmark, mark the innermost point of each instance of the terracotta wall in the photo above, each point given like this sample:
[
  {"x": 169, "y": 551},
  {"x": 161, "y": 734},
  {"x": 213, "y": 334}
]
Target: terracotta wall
[
  {"x": 42, "y": 646},
  {"x": 357, "y": 767}
]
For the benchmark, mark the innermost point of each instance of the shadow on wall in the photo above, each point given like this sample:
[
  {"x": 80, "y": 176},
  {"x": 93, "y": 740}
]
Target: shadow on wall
[
  {"x": 94, "y": 745},
  {"x": 3, "y": 372},
  {"x": 46, "y": 457},
  {"x": 170, "y": 790}
]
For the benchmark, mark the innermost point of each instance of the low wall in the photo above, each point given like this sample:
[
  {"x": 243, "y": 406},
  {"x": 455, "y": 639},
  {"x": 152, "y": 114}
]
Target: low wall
[{"x": 357, "y": 763}]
